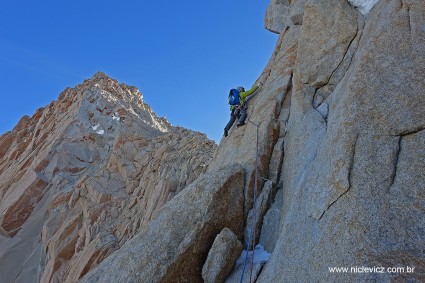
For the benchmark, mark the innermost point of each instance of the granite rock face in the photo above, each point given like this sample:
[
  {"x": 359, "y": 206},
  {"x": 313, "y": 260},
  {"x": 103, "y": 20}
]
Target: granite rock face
[
  {"x": 348, "y": 196},
  {"x": 174, "y": 245},
  {"x": 83, "y": 175},
  {"x": 276, "y": 15},
  {"x": 341, "y": 131},
  {"x": 339, "y": 118}
]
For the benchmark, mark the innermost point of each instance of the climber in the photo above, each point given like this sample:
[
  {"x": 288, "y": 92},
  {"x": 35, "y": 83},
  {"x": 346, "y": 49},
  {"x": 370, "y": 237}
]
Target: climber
[{"x": 238, "y": 106}]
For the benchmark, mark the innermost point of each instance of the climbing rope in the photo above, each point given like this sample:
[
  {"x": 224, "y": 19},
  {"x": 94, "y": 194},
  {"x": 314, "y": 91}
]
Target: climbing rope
[{"x": 251, "y": 240}]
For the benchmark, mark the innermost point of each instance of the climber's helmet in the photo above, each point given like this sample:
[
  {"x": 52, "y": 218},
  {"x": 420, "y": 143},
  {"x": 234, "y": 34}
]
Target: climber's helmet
[{"x": 240, "y": 89}]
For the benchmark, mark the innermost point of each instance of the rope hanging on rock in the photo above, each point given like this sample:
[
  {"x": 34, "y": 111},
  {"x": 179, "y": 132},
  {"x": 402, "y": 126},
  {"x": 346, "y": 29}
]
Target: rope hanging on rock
[{"x": 251, "y": 240}]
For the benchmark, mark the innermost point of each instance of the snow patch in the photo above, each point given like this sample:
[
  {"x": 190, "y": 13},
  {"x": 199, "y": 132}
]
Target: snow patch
[
  {"x": 260, "y": 255},
  {"x": 100, "y": 132},
  {"x": 115, "y": 117},
  {"x": 364, "y": 6}
]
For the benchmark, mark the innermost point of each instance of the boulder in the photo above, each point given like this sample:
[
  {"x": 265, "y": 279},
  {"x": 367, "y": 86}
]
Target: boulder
[{"x": 221, "y": 257}]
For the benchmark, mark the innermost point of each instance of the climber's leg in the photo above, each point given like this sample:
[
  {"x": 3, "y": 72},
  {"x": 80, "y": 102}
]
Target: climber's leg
[
  {"x": 242, "y": 117},
  {"x": 233, "y": 115}
]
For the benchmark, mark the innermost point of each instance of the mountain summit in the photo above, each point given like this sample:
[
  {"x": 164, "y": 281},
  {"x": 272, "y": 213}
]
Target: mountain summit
[{"x": 73, "y": 173}]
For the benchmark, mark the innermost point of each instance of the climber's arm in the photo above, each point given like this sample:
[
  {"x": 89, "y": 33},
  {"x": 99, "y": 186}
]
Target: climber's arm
[{"x": 245, "y": 94}]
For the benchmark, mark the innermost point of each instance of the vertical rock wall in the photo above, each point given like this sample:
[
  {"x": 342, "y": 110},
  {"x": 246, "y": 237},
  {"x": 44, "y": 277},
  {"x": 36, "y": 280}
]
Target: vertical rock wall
[{"x": 353, "y": 174}]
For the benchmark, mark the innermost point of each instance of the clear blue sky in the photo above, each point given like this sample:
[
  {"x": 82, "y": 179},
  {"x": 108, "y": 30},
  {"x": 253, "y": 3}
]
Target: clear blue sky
[{"x": 184, "y": 56}]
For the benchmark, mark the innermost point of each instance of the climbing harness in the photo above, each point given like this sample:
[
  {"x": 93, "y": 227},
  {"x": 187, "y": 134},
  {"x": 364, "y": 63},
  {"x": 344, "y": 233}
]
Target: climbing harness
[{"x": 251, "y": 240}]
